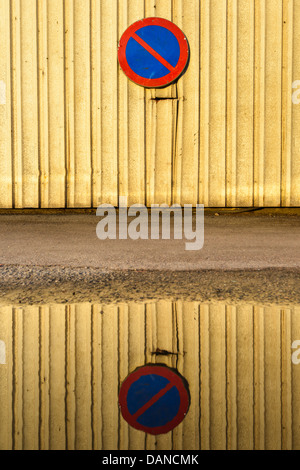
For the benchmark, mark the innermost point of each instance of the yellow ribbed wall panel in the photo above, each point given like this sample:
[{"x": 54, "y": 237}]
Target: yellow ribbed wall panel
[
  {"x": 51, "y": 103},
  {"x": 75, "y": 132},
  {"x": 5, "y": 107},
  {"x": 295, "y": 399},
  {"x": 26, "y": 147},
  {"x": 294, "y": 135},
  {"x": 131, "y": 122},
  {"x": 64, "y": 366},
  {"x": 6, "y": 383}
]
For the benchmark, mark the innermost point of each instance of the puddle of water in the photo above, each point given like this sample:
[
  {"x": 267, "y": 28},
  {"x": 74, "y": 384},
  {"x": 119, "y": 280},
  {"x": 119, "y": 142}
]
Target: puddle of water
[{"x": 65, "y": 365}]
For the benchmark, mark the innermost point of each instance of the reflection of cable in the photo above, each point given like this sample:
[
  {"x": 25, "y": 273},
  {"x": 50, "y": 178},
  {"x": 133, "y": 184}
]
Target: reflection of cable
[{"x": 2, "y": 352}]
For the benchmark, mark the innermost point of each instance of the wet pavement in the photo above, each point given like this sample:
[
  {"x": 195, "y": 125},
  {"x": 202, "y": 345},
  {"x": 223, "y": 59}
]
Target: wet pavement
[
  {"x": 77, "y": 316},
  {"x": 249, "y": 256}
]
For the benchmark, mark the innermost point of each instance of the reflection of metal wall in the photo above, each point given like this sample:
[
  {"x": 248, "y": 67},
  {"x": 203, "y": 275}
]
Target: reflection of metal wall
[
  {"x": 59, "y": 387},
  {"x": 74, "y": 132}
]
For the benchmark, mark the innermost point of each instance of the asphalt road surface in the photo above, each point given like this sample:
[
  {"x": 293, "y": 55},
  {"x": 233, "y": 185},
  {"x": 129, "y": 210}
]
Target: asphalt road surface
[{"x": 58, "y": 257}]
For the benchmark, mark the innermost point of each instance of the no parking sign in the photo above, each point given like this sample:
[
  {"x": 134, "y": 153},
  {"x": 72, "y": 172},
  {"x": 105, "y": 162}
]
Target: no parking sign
[
  {"x": 153, "y": 52},
  {"x": 154, "y": 399}
]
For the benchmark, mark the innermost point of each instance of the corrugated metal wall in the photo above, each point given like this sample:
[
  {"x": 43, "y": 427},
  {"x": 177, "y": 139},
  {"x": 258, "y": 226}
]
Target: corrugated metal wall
[
  {"x": 64, "y": 365},
  {"x": 74, "y": 132}
]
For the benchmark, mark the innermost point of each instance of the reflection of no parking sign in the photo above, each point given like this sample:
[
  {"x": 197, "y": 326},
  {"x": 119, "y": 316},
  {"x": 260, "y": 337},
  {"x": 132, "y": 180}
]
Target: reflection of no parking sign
[
  {"x": 154, "y": 399},
  {"x": 153, "y": 52}
]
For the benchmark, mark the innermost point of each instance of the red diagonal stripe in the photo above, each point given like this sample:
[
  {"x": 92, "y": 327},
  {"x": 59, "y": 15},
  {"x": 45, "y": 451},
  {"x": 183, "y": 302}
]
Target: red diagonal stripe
[
  {"x": 152, "y": 401},
  {"x": 153, "y": 52}
]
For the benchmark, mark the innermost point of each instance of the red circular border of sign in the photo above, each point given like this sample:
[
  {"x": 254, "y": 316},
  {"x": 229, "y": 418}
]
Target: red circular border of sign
[
  {"x": 167, "y": 79},
  {"x": 167, "y": 373}
]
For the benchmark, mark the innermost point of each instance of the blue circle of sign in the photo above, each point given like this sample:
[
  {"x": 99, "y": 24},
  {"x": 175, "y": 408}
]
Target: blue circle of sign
[
  {"x": 163, "y": 42},
  {"x": 163, "y": 410}
]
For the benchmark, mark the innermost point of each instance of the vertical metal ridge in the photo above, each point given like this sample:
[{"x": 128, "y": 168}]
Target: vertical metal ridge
[
  {"x": 38, "y": 103},
  {"x": 273, "y": 104},
  {"x": 231, "y": 378},
  {"x": 29, "y": 103},
  {"x": 218, "y": 73},
  {"x": 205, "y": 88},
  {"x": 91, "y": 101},
  {"x": 295, "y": 164},
  {"x": 41, "y": 441},
  {"x": 70, "y": 112},
  {"x": 204, "y": 379},
  {"x": 92, "y": 379},
  {"x": 11, "y": 157},
  {"x": 43, "y": 103},
  {"x": 259, "y": 108},
  {"x": 287, "y": 79},
  {"x": 96, "y": 87},
  {"x": 295, "y": 319},
  {"x": 119, "y": 378},
  {"x": 231, "y": 128},
  {"x": 286, "y": 380},
  {"x": 5, "y": 105},
  {"x": 66, "y": 377},
  {"x": 6, "y": 379},
  {"x": 13, "y": 380},
  {"x": 226, "y": 99},
  {"x": 16, "y": 107}
]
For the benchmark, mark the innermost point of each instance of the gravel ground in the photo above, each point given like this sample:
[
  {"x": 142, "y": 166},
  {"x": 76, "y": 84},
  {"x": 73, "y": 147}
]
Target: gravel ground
[{"x": 48, "y": 285}]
